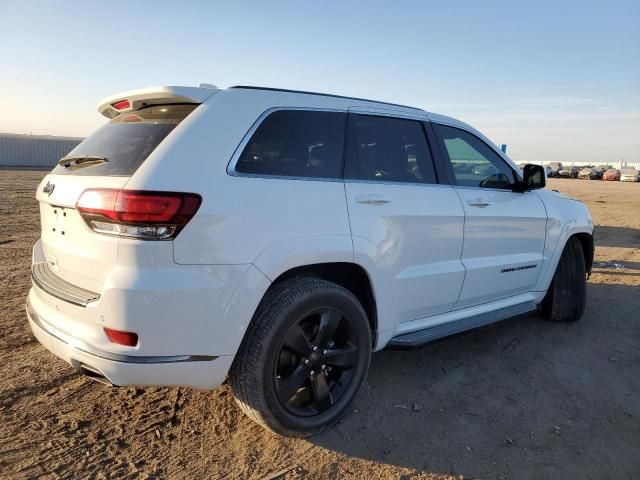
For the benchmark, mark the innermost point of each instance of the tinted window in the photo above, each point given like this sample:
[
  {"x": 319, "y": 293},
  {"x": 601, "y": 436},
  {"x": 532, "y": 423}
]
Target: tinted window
[
  {"x": 390, "y": 149},
  {"x": 296, "y": 143},
  {"x": 474, "y": 163},
  {"x": 126, "y": 141}
]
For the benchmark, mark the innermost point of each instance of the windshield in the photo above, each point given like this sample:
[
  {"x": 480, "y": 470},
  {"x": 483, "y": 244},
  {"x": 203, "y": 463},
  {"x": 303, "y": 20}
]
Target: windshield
[{"x": 125, "y": 142}]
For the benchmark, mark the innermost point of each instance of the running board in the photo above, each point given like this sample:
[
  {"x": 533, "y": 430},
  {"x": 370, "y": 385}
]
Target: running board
[{"x": 420, "y": 337}]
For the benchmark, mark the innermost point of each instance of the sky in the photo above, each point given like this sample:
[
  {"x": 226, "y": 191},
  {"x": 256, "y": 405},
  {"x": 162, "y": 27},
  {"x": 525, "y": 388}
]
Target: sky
[{"x": 554, "y": 80}]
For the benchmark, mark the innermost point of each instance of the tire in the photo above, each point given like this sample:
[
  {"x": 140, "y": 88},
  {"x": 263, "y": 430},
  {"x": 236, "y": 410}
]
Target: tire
[
  {"x": 567, "y": 295},
  {"x": 276, "y": 357}
]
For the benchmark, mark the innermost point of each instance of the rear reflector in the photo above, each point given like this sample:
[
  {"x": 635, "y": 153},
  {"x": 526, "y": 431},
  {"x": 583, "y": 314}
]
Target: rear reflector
[
  {"x": 128, "y": 339},
  {"x": 138, "y": 214},
  {"x": 121, "y": 105}
]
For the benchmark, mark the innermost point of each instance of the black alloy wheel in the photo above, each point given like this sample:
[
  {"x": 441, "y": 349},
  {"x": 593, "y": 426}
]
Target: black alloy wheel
[
  {"x": 303, "y": 358},
  {"x": 315, "y": 363}
]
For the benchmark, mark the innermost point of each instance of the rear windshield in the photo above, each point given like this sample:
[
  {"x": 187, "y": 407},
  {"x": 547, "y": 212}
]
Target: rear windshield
[{"x": 125, "y": 142}]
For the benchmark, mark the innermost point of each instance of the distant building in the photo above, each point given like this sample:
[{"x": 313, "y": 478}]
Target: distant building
[{"x": 34, "y": 151}]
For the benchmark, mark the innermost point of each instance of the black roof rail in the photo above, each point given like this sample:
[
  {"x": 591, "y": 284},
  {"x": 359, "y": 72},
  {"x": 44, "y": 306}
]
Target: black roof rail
[{"x": 250, "y": 87}]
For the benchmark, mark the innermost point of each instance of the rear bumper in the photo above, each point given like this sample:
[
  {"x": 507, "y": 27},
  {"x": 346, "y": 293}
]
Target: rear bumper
[
  {"x": 46, "y": 280},
  {"x": 196, "y": 371},
  {"x": 174, "y": 309},
  {"x": 190, "y": 319}
]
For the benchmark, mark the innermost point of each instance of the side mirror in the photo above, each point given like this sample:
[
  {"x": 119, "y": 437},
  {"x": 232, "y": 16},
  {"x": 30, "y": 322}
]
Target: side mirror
[{"x": 533, "y": 177}]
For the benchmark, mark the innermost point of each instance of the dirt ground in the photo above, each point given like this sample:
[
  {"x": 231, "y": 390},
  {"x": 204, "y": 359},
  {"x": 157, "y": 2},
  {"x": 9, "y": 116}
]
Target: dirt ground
[{"x": 520, "y": 399}]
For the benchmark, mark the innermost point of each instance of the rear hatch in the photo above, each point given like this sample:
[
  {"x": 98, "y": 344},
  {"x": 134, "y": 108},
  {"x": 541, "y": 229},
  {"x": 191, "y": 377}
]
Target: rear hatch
[{"x": 105, "y": 160}]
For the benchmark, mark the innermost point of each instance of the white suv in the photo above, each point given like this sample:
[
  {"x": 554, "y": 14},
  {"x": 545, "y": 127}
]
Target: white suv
[{"x": 280, "y": 237}]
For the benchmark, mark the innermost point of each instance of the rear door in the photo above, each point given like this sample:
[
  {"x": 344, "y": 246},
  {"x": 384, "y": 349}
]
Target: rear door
[
  {"x": 106, "y": 159},
  {"x": 504, "y": 231},
  {"x": 406, "y": 228}
]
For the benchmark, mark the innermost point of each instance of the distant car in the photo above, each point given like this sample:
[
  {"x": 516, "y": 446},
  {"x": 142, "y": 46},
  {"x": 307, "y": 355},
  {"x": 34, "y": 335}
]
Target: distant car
[
  {"x": 555, "y": 168},
  {"x": 612, "y": 175},
  {"x": 629, "y": 175},
  {"x": 588, "y": 173},
  {"x": 599, "y": 171},
  {"x": 568, "y": 172}
]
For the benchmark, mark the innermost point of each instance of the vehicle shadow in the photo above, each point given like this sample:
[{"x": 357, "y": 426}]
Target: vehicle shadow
[
  {"x": 608, "y": 236},
  {"x": 516, "y": 398}
]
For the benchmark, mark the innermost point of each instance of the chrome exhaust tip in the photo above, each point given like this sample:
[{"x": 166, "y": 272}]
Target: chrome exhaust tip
[{"x": 94, "y": 374}]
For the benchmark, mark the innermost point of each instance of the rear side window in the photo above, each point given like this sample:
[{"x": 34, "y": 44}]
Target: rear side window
[
  {"x": 296, "y": 143},
  {"x": 390, "y": 149},
  {"x": 123, "y": 143}
]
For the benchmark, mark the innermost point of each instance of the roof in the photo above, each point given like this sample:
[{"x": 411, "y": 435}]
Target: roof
[
  {"x": 181, "y": 94},
  {"x": 270, "y": 89}
]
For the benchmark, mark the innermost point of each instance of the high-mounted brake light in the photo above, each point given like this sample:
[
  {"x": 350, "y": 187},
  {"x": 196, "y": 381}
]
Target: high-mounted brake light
[
  {"x": 128, "y": 339},
  {"x": 137, "y": 214},
  {"x": 132, "y": 118},
  {"x": 121, "y": 105}
]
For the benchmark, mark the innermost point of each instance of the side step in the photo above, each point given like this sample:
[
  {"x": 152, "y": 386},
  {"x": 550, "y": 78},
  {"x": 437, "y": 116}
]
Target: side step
[{"x": 420, "y": 337}]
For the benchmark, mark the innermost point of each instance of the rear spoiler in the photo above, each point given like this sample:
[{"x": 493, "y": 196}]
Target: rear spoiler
[{"x": 136, "y": 99}]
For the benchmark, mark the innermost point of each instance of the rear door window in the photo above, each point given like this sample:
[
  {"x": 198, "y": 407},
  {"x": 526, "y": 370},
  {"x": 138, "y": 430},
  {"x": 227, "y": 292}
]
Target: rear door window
[
  {"x": 296, "y": 143},
  {"x": 119, "y": 147},
  {"x": 389, "y": 149}
]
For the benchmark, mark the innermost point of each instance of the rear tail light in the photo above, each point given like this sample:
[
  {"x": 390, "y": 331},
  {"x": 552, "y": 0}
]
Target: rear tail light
[
  {"x": 128, "y": 339},
  {"x": 137, "y": 214}
]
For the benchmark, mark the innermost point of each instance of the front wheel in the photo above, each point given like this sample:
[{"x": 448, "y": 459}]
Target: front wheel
[
  {"x": 567, "y": 295},
  {"x": 303, "y": 358}
]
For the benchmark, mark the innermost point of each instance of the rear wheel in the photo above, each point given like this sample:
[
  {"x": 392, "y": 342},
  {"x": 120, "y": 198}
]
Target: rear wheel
[
  {"x": 303, "y": 358},
  {"x": 567, "y": 295}
]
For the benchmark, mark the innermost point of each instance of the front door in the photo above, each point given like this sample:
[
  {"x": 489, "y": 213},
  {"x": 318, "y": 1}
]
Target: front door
[{"x": 504, "y": 230}]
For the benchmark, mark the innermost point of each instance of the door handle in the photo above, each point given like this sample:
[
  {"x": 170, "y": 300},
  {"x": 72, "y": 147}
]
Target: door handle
[
  {"x": 479, "y": 202},
  {"x": 373, "y": 199}
]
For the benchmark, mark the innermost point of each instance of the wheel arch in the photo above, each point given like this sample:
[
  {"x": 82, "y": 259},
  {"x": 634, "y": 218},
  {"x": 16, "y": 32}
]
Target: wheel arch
[
  {"x": 348, "y": 275},
  {"x": 328, "y": 257},
  {"x": 588, "y": 249},
  {"x": 584, "y": 235}
]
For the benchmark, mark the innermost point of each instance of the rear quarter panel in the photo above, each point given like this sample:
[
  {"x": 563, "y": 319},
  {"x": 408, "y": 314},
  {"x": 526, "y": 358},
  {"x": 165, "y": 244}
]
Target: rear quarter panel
[{"x": 241, "y": 217}]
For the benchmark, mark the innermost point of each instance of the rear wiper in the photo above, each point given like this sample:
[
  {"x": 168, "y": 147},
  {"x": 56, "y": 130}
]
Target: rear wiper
[{"x": 78, "y": 161}]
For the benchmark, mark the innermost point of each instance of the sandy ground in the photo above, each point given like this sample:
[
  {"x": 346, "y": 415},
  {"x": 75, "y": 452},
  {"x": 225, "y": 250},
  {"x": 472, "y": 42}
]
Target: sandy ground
[{"x": 520, "y": 399}]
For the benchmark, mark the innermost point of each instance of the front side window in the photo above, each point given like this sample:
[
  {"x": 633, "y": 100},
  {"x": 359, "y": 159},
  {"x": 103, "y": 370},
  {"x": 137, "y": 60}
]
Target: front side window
[
  {"x": 390, "y": 149},
  {"x": 474, "y": 163},
  {"x": 296, "y": 143}
]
